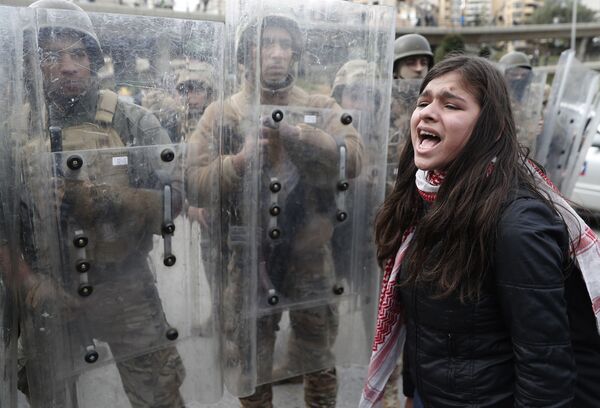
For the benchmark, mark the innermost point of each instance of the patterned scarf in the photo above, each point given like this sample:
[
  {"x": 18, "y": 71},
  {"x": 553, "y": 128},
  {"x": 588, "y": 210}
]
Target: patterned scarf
[{"x": 390, "y": 332}]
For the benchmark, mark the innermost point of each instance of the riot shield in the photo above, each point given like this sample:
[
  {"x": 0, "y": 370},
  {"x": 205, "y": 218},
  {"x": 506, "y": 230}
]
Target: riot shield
[
  {"x": 527, "y": 95},
  {"x": 12, "y": 101},
  {"x": 295, "y": 170},
  {"x": 404, "y": 98},
  {"x": 121, "y": 308},
  {"x": 566, "y": 120}
]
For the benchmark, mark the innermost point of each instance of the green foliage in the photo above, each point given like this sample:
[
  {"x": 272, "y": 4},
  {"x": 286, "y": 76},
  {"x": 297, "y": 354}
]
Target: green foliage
[
  {"x": 450, "y": 43},
  {"x": 563, "y": 11}
]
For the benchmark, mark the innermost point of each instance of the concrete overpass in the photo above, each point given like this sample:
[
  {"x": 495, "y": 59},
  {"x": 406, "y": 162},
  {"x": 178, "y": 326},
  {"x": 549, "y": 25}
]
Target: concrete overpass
[
  {"x": 491, "y": 34},
  {"x": 471, "y": 35}
]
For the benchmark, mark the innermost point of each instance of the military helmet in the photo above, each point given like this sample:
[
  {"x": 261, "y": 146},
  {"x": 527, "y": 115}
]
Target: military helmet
[
  {"x": 515, "y": 59},
  {"x": 246, "y": 40},
  {"x": 200, "y": 73},
  {"x": 351, "y": 73},
  {"x": 75, "y": 20},
  {"x": 410, "y": 45}
]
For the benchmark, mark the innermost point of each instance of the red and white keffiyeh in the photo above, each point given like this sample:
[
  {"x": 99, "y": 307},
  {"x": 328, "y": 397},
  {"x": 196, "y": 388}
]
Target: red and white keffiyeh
[{"x": 390, "y": 331}]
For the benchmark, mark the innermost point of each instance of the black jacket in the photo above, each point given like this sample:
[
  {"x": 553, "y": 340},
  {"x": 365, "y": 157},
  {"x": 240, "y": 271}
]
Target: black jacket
[{"x": 529, "y": 341}]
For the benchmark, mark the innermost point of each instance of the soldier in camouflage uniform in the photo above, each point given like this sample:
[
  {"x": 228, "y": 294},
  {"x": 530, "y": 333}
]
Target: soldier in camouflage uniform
[
  {"x": 194, "y": 92},
  {"x": 179, "y": 114},
  {"x": 519, "y": 76},
  {"x": 125, "y": 309},
  {"x": 412, "y": 60},
  {"x": 307, "y": 262}
]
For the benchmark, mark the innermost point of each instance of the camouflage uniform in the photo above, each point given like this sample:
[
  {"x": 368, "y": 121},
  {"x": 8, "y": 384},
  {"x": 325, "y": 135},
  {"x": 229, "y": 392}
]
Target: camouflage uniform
[
  {"x": 404, "y": 96},
  {"x": 166, "y": 110},
  {"x": 352, "y": 91},
  {"x": 312, "y": 267},
  {"x": 303, "y": 267},
  {"x": 526, "y": 89},
  {"x": 404, "y": 99},
  {"x": 128, "y": 315},
  {"x": 119, "y": 217}
]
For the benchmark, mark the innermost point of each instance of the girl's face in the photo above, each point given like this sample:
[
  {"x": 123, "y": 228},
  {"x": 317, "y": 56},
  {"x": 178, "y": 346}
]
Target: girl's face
[{"x": 442, "y": 122}]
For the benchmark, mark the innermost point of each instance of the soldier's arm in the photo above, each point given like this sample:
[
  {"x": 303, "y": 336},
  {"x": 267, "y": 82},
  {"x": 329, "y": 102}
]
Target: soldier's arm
[
  {"x": 141, "y": 128},
  {"x": 204, "y": 161},
  {"x": 318, "y": 150}
]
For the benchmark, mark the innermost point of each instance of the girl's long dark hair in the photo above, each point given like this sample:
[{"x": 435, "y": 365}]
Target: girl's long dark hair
[{"x": 454, "y": 242}]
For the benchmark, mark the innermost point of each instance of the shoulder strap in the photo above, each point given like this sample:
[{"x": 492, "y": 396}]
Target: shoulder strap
[{"x": 107, "y": 104}]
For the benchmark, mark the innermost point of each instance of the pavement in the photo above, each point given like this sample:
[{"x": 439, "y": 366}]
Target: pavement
[
  {"x": 101, "y": 387},
  {"x": 284, "y": 396}
]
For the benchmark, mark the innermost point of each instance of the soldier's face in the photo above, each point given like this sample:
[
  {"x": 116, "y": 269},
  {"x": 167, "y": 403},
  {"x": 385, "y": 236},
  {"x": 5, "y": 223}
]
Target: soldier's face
[
  {"x": 194, "y": 95},
  {"x": 413, "y": 67},
  {"x": 442, "y": 122},
  {"x": 517, "y": 73},
  {"x": 66, "y": 66},
  {"x": 275, "y": 55}
]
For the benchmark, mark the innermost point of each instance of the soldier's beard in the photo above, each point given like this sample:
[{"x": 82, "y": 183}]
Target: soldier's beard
[
  {"x": 278, "y": 84},
  {"x": 56, "y": 91}
]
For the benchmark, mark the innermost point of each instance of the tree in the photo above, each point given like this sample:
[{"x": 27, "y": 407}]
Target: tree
[
  {"x": 561, "y": 11},
  {"x": 450, "y": 43}
]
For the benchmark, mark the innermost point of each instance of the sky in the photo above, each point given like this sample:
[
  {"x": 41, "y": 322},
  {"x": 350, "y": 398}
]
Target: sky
[{"x": 593, "y": 4}]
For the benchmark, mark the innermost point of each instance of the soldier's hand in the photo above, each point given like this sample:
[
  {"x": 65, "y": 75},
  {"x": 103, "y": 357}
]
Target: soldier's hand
[
  {"x": 308, "y": 144},
  {"x": 83, "y": 199},
  {"x": 272, "y": 129},
  {"x": 199, "y": 215},
  {"x": 249, "y": 150},
  {"x": 42, "y": 292}
]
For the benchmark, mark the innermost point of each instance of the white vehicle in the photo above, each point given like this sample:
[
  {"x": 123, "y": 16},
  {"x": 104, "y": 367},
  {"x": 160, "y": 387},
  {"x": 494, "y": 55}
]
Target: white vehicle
[{"x": 587, "y": 187}]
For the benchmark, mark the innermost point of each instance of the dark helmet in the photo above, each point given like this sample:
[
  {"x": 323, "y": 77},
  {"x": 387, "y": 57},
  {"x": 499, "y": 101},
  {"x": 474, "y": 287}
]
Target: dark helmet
[
  {"x": 246, "y": 40},
  {"x": 515, "y": 59},
  {"x": 75, "y": 20},
  {"x": 410, "y": 45}
]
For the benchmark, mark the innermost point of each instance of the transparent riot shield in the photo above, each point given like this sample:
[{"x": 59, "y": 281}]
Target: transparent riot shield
[
  {"x": 526, "y": 89},
  {"x": 296, "y": 168},
  {"x": 403, "y": 101},
  {"x": 567, "y": 116},
  {"x": 12, "y": 101},
  {"x": 120, "y": 309}
]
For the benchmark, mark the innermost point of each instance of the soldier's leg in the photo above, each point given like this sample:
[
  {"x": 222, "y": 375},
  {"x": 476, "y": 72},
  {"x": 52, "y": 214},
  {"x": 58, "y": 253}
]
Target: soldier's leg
[
  {"x": 153, "y": 380},
  {"x": 315, "y": 330},
  {"x": 320, "y": 389},
  {"x": 265, "y": 345}
]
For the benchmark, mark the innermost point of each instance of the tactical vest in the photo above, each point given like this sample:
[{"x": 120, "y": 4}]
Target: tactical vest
[
  {"x": 99, "y": 134},
  {"x": 110, "y": 236}
]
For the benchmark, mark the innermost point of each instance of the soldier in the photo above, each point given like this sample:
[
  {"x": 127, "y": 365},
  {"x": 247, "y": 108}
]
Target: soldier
[
  {"x": 412, "y": 60},
  {"x": 194, "y": 92},
  {"x": 120, "y": 304},
  {"x": 305, "y": 159},
  {"x": 353, "y": 91},
  {"x": 412, "y": 57},
  {"x": 180, "y": 111},
  {"x": 526, "y": 89},
  {"x": 517, "y": 71}
]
